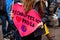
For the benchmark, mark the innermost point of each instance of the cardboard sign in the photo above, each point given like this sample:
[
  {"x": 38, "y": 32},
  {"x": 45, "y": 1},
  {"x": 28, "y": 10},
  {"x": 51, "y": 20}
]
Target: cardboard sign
[{"x": 25, "y": 23}]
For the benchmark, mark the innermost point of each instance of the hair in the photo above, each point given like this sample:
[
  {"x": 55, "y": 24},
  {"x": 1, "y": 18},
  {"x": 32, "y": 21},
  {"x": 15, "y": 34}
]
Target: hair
[
  {"x": 28, "y": 5},
  {"x": 40, "y": 8}
]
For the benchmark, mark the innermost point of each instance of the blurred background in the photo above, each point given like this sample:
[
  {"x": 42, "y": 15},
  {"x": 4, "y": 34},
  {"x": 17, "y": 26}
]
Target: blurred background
[{"x": 53, "y": 23}]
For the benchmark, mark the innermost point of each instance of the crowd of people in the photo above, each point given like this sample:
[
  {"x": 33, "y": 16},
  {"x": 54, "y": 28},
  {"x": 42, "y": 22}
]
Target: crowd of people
[{"x": 48, "y": 10}]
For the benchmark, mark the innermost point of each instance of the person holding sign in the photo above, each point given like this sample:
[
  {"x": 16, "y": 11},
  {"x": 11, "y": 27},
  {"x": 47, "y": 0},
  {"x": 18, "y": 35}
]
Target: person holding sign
[{"x": 27, "y": 20}]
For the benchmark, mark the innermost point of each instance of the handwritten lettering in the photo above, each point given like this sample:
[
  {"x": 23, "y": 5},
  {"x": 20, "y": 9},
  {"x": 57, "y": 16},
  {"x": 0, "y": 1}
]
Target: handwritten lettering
[
  {"x": 27, "y": 22},
  {"x": 28, "y": 16}
]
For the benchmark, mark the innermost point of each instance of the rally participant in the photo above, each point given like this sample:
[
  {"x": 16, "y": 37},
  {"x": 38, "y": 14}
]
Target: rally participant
[
  {"x": 44, "y": 16},
  {"x": 28, "y": 5},
  {"x": 3, "y": 16},
  {"x": 11, "y": 28}
]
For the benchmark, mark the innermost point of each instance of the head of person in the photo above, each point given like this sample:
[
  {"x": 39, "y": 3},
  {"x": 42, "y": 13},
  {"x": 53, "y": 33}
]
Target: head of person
[
  {"x": 52, "y": 7},
  {"x": 28, "y": 4}
]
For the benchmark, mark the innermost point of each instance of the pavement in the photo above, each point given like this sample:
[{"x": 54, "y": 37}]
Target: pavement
[
  {"x": 55, "y": 31},
  {"x": 1, "y": 35}
]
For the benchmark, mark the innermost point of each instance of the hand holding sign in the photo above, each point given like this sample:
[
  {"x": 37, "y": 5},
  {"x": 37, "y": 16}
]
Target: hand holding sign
[
  {"x": 40, "y": 25},
  {"x": 26, "y": 24}
]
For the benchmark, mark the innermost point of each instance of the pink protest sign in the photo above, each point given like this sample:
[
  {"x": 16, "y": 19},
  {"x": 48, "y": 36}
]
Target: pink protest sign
[{"x": 26, "y": 24}]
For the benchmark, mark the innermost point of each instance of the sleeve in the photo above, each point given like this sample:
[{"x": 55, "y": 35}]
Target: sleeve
[{"x": 45, "y": 18}]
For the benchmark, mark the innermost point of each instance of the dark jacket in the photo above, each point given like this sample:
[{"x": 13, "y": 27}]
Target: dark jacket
[
  {"x": 2, "y": 8},
  {"x": 45, "y": 17}
]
